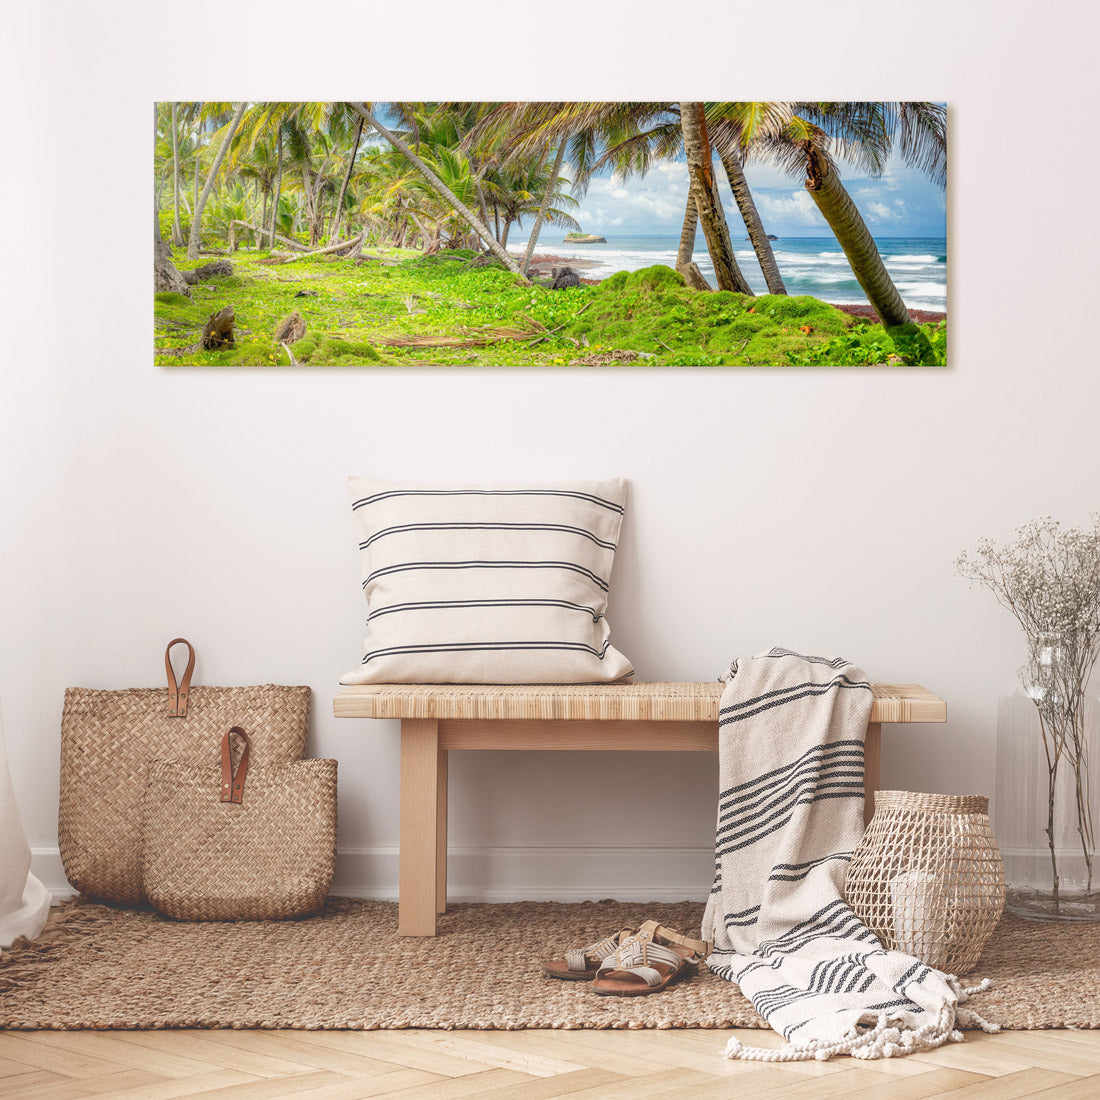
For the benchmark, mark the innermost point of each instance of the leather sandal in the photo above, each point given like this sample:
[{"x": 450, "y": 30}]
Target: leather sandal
[
  {"x": 647, "y": 962},
  {"x": 581, "y": 964}
]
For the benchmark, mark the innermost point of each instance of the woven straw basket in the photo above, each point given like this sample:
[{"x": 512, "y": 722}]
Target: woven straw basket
[
  {"x": 109, "y": 737},
  {"x": 927, "y": 878},
  {"x": 266, "y": 851}
]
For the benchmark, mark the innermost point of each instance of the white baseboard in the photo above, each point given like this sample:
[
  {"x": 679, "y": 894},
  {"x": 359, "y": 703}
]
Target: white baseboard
[
  {"x": 488, "y": 874},
  {"x": 46, "y": 867}
]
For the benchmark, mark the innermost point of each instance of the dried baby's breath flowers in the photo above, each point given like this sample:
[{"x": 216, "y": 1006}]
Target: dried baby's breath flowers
[{"x": 1048, "y": 577}]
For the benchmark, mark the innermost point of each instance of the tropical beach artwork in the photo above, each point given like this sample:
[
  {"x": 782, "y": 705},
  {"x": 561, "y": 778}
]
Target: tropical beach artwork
[{"x": 534, "y": 234}]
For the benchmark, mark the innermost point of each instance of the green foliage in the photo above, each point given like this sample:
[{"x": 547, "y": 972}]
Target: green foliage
[
  {"x": 165, "y": 217},
  {"x": 332, "y": 351},
  {"x": 411, "y": 312},
  {"x": 871, "y": 345},
  {"x": 614, "y": 283},
  {"x": 171, "y": 298},
  {"x": 178, "y": 310},
  {"x": 652, "y": 310},
  {"x": 655, "y": 278}
]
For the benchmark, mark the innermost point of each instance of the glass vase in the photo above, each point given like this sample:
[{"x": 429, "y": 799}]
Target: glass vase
[{"x": 1045, "y": 807}]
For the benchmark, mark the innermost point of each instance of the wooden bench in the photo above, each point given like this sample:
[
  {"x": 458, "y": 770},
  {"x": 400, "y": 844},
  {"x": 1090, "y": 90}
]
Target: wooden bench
[{"x": 647, "y": 717}]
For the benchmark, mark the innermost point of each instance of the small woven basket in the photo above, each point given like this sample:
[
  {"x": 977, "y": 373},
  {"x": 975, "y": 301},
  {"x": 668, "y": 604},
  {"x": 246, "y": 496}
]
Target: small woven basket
[
  {"x": 927, "y": 878},
  {"x": 266, "y": 851}
]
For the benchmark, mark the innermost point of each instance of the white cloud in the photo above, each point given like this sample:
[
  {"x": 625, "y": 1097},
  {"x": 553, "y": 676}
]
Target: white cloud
[
  {"x": 793, "y": 209},
  {"x": 644, "y": 203}
]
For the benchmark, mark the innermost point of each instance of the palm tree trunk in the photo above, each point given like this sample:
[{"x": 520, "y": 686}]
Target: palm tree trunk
[
  {"x": 746, "y": 204},
  {"x": 307, "y": 194},
  {"x": 177, "y": 227},
  {"x": 715, "y": 229},
  {"x": 855, "y": 238},
  {"x": 504, "y": 236},
  {"x": 196, "y": 221},
  {"x": 687, "y": 234},
  {"x": 278, "y": 190},
  {"x": 685, "y": 263},
  {"x": 425, "y": 236},
  {"x": 338, "y": 213},
  {"x": 481, "y": 204},
  {"x": 195, "y": 200},
  {"x": 165, "y": 274},
  {"x": 316, "y": 207},
  {"x": 441, "y": 189},
  {"x": 551, "y": 185}
]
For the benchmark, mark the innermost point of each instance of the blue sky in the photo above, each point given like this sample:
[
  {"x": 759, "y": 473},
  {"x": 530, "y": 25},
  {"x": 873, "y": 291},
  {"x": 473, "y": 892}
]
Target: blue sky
[{"x": 900, "y": 203}]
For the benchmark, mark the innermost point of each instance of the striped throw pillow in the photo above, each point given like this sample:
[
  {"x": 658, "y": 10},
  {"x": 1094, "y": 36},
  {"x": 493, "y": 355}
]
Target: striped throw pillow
[{"x": 488, "y": 584}]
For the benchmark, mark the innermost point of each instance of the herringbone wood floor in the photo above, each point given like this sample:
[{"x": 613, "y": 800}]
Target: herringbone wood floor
[{"x": 523, "y": 1065}]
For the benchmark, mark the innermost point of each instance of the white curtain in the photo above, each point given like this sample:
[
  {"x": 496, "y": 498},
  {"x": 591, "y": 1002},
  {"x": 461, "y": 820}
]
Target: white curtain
[{"x": 24, "y": 901}]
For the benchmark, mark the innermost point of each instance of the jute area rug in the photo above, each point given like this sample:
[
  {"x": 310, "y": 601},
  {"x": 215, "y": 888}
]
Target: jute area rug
[{"x": 101, "y": 967}]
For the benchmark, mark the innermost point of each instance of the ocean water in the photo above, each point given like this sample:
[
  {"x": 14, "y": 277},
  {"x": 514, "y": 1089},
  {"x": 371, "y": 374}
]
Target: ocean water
[{"x": 809, "y": 265}]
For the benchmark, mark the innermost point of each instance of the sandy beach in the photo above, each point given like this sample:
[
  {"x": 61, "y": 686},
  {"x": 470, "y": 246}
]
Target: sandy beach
[
  {"x": 548, "y": 261},
  {"x": 918, "y": 315}
]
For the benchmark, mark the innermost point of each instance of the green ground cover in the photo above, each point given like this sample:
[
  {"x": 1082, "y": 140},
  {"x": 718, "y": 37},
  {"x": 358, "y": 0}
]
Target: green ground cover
[{"x": 415, "y": 310}]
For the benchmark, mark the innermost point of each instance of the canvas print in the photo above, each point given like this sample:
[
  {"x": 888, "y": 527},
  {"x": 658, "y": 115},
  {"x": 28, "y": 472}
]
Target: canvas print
[{"x": 645, "y": 235}]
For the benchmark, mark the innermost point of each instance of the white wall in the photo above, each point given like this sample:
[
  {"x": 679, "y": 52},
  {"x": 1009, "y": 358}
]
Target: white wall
[{"x": 808, "y": 508}]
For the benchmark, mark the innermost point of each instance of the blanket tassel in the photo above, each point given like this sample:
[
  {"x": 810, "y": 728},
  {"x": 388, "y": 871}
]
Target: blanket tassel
[{"x": 884, "y": 1040}]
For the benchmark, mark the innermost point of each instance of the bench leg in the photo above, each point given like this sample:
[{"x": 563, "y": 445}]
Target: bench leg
[
  {"x": 422, "y": 873},
  {"x": 872, "y": 760},
  {"x": 441, "y": 834}
]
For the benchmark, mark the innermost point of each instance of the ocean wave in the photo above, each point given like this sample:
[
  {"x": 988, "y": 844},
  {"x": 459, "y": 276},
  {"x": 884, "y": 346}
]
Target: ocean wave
[
  {"x": 809, "y": 257},
  {"x": 936, "y": 290},
  {"x": 906, "y": 258},
  {"x": 827, "y": 280}
]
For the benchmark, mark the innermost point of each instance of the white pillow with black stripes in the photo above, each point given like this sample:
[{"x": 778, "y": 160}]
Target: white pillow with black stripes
[{"x": 488, "y": 584}]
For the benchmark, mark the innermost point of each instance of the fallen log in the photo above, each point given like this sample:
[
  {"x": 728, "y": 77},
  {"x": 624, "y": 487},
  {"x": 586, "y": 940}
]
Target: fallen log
[
  {"x": 354, "y": 243},
  {"x": 297, "y": 246}
]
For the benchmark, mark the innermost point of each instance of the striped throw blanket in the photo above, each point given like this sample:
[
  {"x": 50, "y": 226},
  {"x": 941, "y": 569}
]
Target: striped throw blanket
[{"x": 790, "y": 814}]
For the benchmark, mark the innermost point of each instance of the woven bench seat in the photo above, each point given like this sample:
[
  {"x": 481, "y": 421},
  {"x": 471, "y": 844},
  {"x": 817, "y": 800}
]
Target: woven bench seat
[{"x": 645, "y": 717}]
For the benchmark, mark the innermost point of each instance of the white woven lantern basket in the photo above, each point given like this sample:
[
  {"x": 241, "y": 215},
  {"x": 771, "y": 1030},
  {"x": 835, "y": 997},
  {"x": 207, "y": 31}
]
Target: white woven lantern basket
[{"x": 927, "y": 878}]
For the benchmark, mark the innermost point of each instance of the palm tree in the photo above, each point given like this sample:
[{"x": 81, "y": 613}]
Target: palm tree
[
  {"x": 165, "y": 275},
  {"x": 551, "y": 186},
  {"x": 849, "y": 228},
  {"x": 733, "y": 125},
  {"x": 688, "y": 232},
  {"x": 709, "y": 205},
  {"x": 864, "y": 132},
  {"x": 526, "y": 132},
  {"x": 265, "y": 123},
  {"x": 196, "y": 218},
  {"x": 177, "y": 227},
  {"x": 440, "y": 188},
  {"x": 636, "y": 134},
  {"x": 257, "y": 162},
  {"x": 337, "y": 214}
]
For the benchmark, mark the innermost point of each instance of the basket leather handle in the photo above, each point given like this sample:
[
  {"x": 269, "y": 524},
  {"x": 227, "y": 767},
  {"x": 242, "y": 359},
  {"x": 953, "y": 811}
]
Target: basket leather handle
[
  {"x": 177, "y": 696},
  {"x": 233, "y": 785}
]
